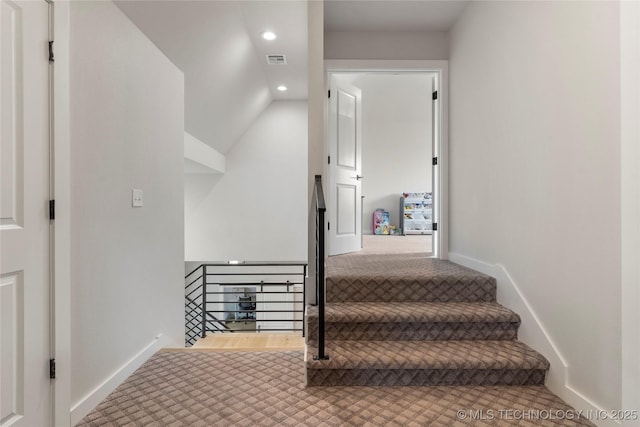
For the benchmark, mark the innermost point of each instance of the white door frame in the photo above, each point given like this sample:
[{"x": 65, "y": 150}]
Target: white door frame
[
  {"x": 61, "y": 193},
  {"x": 441, "y": 150}
]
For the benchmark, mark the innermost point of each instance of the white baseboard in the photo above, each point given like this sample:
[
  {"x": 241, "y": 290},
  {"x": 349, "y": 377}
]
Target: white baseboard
[
  {"x": 533, "y": 333},
  {"x": 85, "y": 405}
]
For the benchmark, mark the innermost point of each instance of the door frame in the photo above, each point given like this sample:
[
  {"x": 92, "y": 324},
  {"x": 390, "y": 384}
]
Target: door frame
[
  {"x": 441, "y": 148},
  {"x": 61, "y": 227}
]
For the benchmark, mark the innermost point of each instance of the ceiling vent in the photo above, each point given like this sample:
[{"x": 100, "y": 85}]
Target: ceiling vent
[{"x": 276, "y": 59}]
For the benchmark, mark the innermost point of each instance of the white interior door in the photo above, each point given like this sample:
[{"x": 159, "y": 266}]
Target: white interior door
[
  {"x": 24, "y": 225},
  {"x": 345, "y": 168}
]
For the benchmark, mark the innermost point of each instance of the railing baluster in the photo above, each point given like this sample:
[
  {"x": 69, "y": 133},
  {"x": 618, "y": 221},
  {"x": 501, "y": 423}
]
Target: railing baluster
[
  {"x": 304, "y": 299},
  {"x": 204, "y": 302}
]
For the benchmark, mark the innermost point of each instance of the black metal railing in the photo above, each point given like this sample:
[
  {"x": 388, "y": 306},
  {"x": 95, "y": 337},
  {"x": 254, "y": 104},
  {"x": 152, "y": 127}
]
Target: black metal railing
[
  {"x": 193, "y": 309},
  {"x": 225, "y": 297},
  {"x": 321, "y": 209}
]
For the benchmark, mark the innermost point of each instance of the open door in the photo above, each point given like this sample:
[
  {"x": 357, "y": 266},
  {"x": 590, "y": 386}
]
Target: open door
[
  {"x": 24, "y": 223},
  {"x": 345, "y": 167},
  {"x": 435, "y": 182}
]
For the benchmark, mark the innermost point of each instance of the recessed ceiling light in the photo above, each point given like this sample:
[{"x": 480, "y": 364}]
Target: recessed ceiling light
[
  {"x": 282, "y": 88},
  {"x": 269, "y": 35}
]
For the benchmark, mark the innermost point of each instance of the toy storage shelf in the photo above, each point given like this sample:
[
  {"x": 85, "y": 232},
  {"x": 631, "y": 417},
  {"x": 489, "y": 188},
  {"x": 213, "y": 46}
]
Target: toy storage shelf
[{"x": 416, "y": 213}]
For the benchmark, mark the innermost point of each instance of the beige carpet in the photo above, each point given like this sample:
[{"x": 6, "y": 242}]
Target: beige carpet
[
  {"x": 204, "y": 389},
  {"x": 404, "y": 277},
  {"x": 412, "y": 320}
]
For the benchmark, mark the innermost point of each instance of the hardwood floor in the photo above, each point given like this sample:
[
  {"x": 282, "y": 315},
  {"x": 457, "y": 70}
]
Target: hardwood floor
[
  {"x": 250, "y": 341},
  {"x": 375, "y": 244}
]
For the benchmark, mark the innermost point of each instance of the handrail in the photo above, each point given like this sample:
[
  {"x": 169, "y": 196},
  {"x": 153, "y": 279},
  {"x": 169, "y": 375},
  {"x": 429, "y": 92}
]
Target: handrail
[
  {"x": 319, "y": 194},
  {"x": 321, "y": 208}
]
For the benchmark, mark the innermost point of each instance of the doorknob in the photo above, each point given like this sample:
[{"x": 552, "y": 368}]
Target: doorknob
[{"x": 358, "y": 177}]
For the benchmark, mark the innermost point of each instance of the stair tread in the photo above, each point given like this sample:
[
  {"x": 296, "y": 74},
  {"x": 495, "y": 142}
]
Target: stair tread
[
  {"x": 404, "y": 278},
  {"x": 495, "y": 355},
  {"x": 401, "y": 266},
  {"x": 418, "y": 312}
]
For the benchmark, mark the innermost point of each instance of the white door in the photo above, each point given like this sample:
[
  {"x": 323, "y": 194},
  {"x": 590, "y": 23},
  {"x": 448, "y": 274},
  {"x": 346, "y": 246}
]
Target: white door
[
  {"x": 345, "y": 168},
  {"x": 24, "y": 224}
]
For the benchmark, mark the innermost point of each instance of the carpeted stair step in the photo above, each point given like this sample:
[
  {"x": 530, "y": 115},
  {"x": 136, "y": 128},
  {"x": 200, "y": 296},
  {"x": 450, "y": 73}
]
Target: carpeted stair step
[
  {"x": 380, "y": 321},
  {"x": 418, "y": 363},
  {"x": 389, "y": 278}
]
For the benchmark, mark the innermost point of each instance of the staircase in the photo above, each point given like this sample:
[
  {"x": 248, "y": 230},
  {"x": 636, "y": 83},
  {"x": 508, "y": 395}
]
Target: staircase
[{"x": 408, "y": 320}]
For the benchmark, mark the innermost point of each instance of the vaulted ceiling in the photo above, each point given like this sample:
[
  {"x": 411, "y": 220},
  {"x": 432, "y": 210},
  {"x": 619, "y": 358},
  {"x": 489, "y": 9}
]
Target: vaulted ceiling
[{"x": 218, "y": 46}]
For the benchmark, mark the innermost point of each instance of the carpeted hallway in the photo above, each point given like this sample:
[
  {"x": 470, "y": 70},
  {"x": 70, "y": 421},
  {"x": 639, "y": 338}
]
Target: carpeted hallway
[
  {"x": 200, "y": 388},
  {"x": 413, "y": 341}
]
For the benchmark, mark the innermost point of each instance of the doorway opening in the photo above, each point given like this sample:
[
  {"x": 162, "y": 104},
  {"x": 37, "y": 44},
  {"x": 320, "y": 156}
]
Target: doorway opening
[{"x": 390, "y": 129}]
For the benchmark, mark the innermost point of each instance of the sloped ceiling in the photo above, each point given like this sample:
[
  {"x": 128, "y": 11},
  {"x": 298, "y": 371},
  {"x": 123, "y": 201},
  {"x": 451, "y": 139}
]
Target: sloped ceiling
[{"x": 218, "y": 46}]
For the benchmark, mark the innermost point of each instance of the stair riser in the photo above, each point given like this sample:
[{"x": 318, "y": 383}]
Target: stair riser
[
  {"x": 428, "y": 291},
  {"x": 414, "y": 331},
  {"x": 424, "y": 377}
]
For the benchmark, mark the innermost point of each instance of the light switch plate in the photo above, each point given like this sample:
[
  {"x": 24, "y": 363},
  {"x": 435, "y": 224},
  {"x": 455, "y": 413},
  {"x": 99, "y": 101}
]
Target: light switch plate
[{"x": 136, "y": 198}]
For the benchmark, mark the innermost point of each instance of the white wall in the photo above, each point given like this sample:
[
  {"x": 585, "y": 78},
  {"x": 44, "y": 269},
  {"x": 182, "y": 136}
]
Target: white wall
[
  {"x": 127, "y": 124},
  {"x": 385, "y": 45},
  {"x": 396, "y": 140},
  {"x": 534, "y": 178},
  {"x": 257, "y": 210},
  {"x": 630, "y": 153},
  {"x": 317, "y": 105}
]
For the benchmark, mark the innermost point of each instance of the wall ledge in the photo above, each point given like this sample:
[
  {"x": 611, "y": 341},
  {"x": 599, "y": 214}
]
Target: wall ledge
[{"x": 200, "y": 157}]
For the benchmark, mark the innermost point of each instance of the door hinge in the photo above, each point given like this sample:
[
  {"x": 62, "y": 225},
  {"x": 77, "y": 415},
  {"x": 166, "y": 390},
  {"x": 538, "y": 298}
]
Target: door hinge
[
  {"x": 51, "y": 58},
  {"x": 328, "y": 226},
  {"x": 329, "y": 94},
  {"x": 434, "y": 226},
  {"x": 434, "y": 161},
  {"x": 329, "y": 160},
  {"x": 434, "y": 95},
  {"x": 52, "y": 369},
  {"x": 52, "y": 209}
]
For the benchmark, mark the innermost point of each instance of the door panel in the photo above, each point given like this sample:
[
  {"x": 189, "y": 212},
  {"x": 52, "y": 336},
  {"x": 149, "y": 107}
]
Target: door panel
[
  {"x": 11, "y": 110},
  {"x": 24, "y": 226},
  {"x": 346, "y": 207},
  {"x": 346, "y": 130},
  {"x": 11, "y": 346},
  {"x": 345, "y": 188}
]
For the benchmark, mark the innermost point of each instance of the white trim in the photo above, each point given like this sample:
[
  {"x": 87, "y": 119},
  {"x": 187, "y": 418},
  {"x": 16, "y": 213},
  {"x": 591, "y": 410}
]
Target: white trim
[
  {"x": 533, "y": 333},
  {"x": 62, "y": 227},
  {"x": 81, "y": 408},
  {"x": 441, "y": 67}
]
